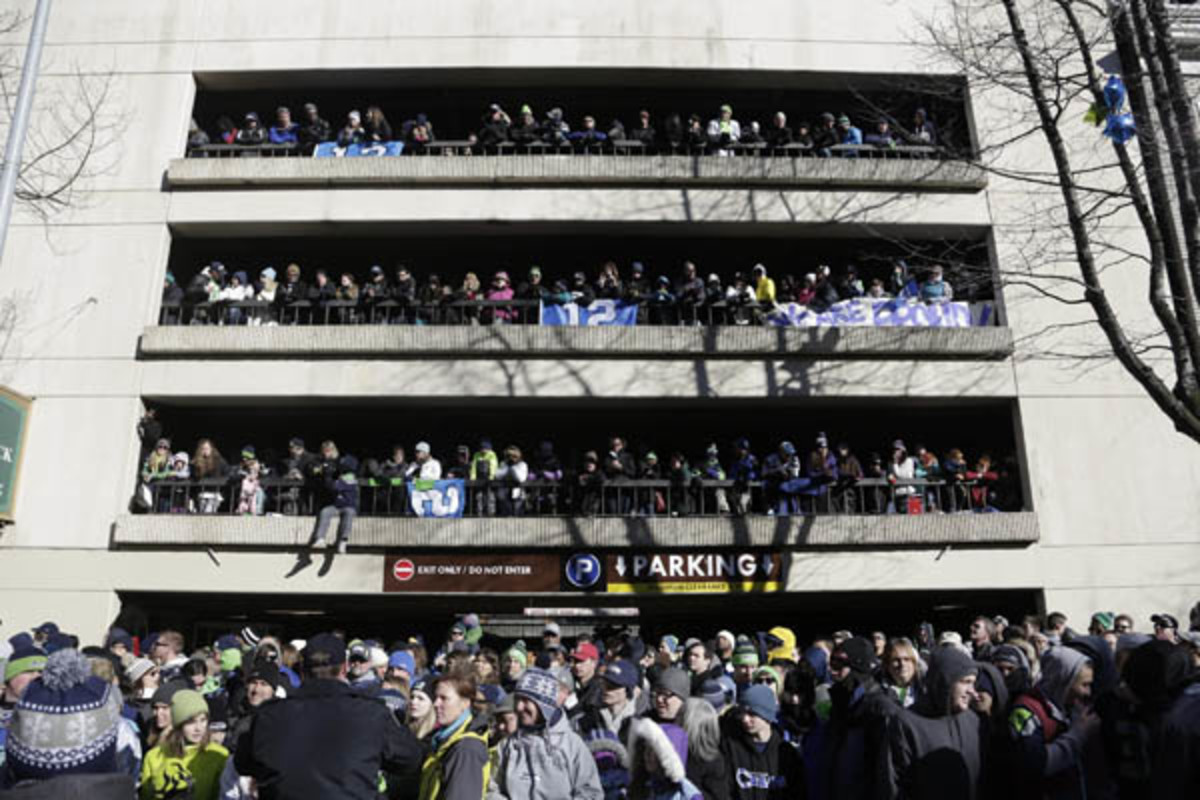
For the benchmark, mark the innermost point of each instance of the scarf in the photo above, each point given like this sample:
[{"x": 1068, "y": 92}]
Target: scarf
[{"x": 442, "y": 734}]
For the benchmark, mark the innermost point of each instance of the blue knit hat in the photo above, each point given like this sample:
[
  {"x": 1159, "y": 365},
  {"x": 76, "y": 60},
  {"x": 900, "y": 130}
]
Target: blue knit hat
[
  {"x": 541, "y": 687},
  {"x": 66, "y": 722},
  {"x": 403, "y": 659},
  {"x": 760, "y": 701}
]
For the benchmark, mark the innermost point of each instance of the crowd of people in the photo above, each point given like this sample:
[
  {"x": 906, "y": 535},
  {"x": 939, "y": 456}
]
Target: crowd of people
[
  {"x": 1028, "y": 710},
  {"x": 785, "y": 480},
  {"x": 216, "y": 295},
  {"x": 672, "y": 133}
]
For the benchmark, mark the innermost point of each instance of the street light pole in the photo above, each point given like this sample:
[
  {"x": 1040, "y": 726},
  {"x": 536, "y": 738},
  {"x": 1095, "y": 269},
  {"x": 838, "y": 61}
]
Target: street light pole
[{"x": 20, "y": 118}]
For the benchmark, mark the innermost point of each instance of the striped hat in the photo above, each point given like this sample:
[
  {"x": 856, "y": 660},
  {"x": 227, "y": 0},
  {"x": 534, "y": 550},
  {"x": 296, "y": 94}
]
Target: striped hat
[
  {"x": 66, "y": 722},
  {"x": 541, "y": 687}
]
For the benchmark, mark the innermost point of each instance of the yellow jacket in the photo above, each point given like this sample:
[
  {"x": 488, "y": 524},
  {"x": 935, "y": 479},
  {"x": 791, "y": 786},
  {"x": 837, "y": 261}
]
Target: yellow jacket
[{"x": 163, "y": 775}]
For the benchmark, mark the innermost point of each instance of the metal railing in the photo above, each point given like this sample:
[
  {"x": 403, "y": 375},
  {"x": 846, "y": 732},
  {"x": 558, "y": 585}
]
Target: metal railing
[
  {"x": 614, "y": 148},
  {"x": 574, "y": 498},
  {"x": 451, "y": 312}
]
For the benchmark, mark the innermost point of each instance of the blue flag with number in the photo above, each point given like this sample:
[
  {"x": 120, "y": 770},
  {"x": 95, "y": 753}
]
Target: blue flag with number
[
  {"x": 437, "y": 498},
  {"x": 600, "y": 312}
]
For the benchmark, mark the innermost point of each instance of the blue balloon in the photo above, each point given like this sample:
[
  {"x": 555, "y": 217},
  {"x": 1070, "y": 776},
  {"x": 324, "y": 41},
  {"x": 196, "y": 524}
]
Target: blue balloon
[
  {"x": 1120, "y": 128},
  {"x": 1114, "y": 93}
]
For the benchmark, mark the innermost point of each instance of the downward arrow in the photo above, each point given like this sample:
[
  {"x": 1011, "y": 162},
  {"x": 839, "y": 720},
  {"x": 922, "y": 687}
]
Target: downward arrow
[{"x": 621, "y": 566}]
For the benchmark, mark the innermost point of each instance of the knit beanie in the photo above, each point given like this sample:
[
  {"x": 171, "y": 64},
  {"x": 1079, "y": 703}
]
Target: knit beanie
[
  {"x": 712, "y": 691},
  {"x": 745, "y": 654},
  {"x": 541, "y": 687},
  {"x": 165, "y": 693},
  {"x": 519, "y": 654},
  {"x": 675, "y": 681},
  {"x": 474, "y": 630},
  {"x": 760, "y": 701},
  {"x": 185, "y": 705},
  {"x": 1106, "y": 620},
  {"x": 231, "y": 660},
  {"x": 66, "y": 722},
  {"x": 24, "y": 659},
  {"x": 772, "y": 673},
  {"x": 859, "y": 652},
  {"x": 138, "y": 668}
]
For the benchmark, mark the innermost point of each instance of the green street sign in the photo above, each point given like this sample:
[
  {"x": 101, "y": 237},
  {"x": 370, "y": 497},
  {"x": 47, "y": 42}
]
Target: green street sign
[{"x": 14, "y": 422}]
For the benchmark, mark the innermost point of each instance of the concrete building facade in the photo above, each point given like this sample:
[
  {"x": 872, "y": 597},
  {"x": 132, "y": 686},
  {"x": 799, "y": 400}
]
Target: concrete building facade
[{"x": 1110, "y": 508}]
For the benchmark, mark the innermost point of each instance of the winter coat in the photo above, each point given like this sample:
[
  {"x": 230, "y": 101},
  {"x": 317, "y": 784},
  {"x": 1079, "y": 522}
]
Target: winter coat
[
  {"x": 459, "y": 767},
  {"x": 671, "y": 783},
  {"x": 626, "y": 469},
  {"x": 165, "y": 776},
  {"x": 551, "y": 763},
  {"x": 76, "y": 787},
  {"x": 315, "y": 132},
  {"x": 933, "y": 752},
  {"x": 325, "y": 742},
  {"x": 848, "y": 746},
  {"x": 1177, "y": 770},
  {"x": 1045, "y": 750},
  {"x": 772, "y": 773},
  {"x": 288, "y": 135},
  {"x": 484, "y": 465}
]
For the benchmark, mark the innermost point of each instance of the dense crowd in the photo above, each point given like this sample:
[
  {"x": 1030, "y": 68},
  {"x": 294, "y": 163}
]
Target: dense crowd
[
  {"x": 215, "y": 295},
  {"x": 1028, "y": 710},
  {"x": 497, "y": 128},
  {"x": 827, "y": 474}
]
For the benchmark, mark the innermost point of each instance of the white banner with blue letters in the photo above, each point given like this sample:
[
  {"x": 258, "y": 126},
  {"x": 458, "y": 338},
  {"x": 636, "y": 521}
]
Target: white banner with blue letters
[{"x": 865, "y": 312}]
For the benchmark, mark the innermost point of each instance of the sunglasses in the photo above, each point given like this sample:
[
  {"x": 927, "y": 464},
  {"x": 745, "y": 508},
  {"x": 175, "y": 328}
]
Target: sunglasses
[
  {"x": 764, "y": 679},
  {"x": 839, "y": 663}
]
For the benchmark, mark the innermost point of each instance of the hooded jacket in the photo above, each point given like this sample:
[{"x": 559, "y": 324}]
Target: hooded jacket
[
  {"x": 671, "y": 783},
  {"x": 933, "y": 752},
  {"x": 849, "y": 745},
  {"x": 551, "y": 763},
  {"x": 774, "y": 772},
  {"x": 1045, "y": 751}
]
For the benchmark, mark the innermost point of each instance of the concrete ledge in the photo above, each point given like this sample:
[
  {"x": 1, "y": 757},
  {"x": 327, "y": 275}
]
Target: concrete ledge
[
  {"x": 537, "y": 533},
  {"x": 617, "y": 342},
  {"x": 522, "y": 170}
]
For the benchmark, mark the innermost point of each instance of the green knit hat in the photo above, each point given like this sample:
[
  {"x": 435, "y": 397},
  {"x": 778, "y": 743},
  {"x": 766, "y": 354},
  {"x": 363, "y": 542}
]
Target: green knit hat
[
  {"x": 744, "y": 655},
  {"x": 774, "y": 673},
  {"x": 185, "y": 705},
  {"x": 231, "y": 660},
  {"x": 1105, "y": 619},
  {"x": 519, "y": 654},
  {"x": 22, "y": 661}
]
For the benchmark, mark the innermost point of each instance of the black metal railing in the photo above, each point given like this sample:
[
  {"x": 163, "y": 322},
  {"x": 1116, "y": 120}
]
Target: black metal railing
[
  {"x": 617, "y": 148},
  {"x": 573, "y": 498},
  {"x": 451, "y": 312}
]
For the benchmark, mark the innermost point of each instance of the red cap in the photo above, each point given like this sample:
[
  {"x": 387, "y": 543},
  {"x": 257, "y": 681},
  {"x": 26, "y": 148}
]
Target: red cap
[{"x": 586, "y": 652}]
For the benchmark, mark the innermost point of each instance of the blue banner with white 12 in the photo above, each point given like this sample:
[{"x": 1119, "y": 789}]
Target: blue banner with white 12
[
  {"x": 437, "y": 498},
  {"x": 600, "y": 312}
]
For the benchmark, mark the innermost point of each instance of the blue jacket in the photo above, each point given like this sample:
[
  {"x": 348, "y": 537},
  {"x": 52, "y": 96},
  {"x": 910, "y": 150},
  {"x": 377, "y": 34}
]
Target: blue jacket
[
  {"x": 745, "y": 469},
  {"x": 284, "y": 135}
]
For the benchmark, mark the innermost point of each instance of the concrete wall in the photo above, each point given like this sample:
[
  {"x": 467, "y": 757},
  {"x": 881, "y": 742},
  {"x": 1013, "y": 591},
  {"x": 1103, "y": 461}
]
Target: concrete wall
[{"x": 1114, "y": 486}]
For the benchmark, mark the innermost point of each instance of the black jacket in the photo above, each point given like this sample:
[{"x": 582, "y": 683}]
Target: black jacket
[
  {"x": 326, "y": 741},
  {"x": 933, "y": 752},
  {"x": 709, "y": 776},
  {"x": 775, "y": 773},
  {"x": 627, "y": 469}
]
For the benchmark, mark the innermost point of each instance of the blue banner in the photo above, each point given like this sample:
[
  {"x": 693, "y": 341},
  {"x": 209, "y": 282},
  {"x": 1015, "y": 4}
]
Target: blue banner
[
  {"x": 900, "y": 313},
  {"x": 600, "y": 312},
  {"x": 331, "y": 150},
  {"x": 437, "y": 498}
]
